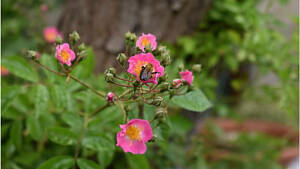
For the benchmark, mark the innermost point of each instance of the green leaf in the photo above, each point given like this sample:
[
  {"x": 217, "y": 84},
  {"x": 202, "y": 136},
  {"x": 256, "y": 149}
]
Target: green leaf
[
  {"x": 59, "y": 95},
  {"x": 73, "y": 120},
  {"x": 137, "y": 161},
  {"x": 194, "y": 101},
  {"x": 16, "y": 133},
  {"x": 62, "y": 136},
  {"x": 58, "y": 162},
  {"x": 87, "y": 164},
  {"x": 97, "y": 141},
  {"x": 105, "y": 157},
  {"x": 41, "y": 100},
  {"x": 34, "y": 128},
  {"x": 20, "y": 67},
  {"x": 8, "y": 94}
]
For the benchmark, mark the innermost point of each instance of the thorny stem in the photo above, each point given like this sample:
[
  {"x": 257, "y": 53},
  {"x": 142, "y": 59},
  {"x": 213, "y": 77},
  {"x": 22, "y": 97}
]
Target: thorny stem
[{"x": 74, "y": 78}]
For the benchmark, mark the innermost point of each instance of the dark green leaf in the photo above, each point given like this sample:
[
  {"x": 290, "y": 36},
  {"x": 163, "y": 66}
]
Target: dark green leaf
[
  {"x": 16, "y": 133},
  {"x": 41, "y": 99},
  {"x": 137, "y": 161},
  {"x": 73, "y": 120},
  {"x": 59, "y": 96},
  {"x": 58, "y": 162},
  {"x": 194, "y": 101},
  {"x": 87, "y": 164},
  {"x": 62, "y": 136},
  {"x": 34, "y": 127},
  {"x": 97, "y": 141},
  {"x": 105, "y": 157},
  {"x": 20, "y": 67}
]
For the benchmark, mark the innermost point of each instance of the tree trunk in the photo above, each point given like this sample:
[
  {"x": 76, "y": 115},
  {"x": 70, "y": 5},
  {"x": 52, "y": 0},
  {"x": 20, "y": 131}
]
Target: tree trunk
[{"x": 103, "y": 23}]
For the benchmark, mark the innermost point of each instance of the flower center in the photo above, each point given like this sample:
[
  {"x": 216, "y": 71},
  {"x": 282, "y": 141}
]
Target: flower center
[
  {"x": 51, "y": 36},
  {"x": 133, "y": 133},
  {"x": 65, "y": 55},
  {"x": 145, "y": 42}
]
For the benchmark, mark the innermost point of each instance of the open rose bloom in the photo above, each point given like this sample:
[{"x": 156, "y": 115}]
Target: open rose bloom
[
  {"x": 146, "y": 39},
  {"x": 134, "y": 135},
  {"x": 187, "y": 76},
  {"x": 64, "y": 54},
  {"x": 137, "y": 61},
  {"x": 50, "y": 34},
  {"x": 4, "y": 71}
]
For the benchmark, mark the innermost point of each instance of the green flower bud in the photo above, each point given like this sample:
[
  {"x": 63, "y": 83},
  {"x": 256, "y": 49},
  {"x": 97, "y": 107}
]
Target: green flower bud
[
  {"x": 181, "y": 67},
  {"x": 157, "y": 101},
  {"x": 112, "y": 70},
  {"x": 81, "y": 47},
  {"x": 162, "y": 49},
  {"x": 74, "y": 36},
  {"x": 165, "y": 59},
  {"x": 122, "y": 59},
  {"x": 109, "y": 77},
  {"x": 58, "y": 40},
  {"x": 197, "y": 68},
  {"x": 164, "y": 86},
  {"x": 32, "y": 54},
  {"x": 130, "y": 36},
  {"x": 160, "y": 112}
]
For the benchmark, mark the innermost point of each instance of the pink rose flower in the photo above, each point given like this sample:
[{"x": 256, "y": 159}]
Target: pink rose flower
[
  {"x": 134, "y": 135},
  {"x": 146, "y": 39},
  {"x": 110, "y": 97},
  {"x": 50, "y": 34},
  {"x": 4, "y": 71},
  {"x": 147, "y": 65},
  {"x": 187, "y": 76},
  {"x": 177, "y": 82},
  {"x": 44, "y": 7},
  {"x": 64, "y": 54}
]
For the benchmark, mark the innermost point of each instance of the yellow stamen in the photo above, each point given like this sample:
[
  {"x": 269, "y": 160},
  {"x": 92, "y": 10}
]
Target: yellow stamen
[
  {"x": 145, "y": 42},
  {"x": 65, "y": 55},
  {"x": 133, "y": 133}
]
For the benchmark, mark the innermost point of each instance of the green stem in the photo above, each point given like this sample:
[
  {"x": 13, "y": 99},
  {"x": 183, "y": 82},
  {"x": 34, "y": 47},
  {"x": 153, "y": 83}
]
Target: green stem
[{"x": 74, "y": 78}]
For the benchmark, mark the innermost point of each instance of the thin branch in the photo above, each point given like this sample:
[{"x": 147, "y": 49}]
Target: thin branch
[
  {"x": 122, "y": 85},
  {"x": 74, "y": 78}
]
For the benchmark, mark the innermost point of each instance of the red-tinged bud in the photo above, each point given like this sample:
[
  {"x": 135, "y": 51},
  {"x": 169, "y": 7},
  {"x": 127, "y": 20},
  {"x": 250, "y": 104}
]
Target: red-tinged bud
[
  {"x": 110, "y": 97},
  {"x": 177, "y": 82}
]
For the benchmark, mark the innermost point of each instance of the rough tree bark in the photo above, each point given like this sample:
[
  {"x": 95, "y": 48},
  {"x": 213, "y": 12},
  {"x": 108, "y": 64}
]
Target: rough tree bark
[{"x": 103, "y": 23}]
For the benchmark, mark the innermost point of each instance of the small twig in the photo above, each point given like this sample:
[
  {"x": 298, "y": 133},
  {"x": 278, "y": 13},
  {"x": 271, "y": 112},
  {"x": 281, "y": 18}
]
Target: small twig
[
  {"x": 74, "y": 78},
  {"x": 122, "y": 85},
  {"x": 117, "y": 77},
  {"x": 100, "y": 108},
  {"x": 88, "y": 86},
  {"x": 122, "y": 108},
  {"x": 141, "y": 110}
]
